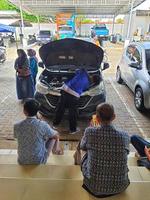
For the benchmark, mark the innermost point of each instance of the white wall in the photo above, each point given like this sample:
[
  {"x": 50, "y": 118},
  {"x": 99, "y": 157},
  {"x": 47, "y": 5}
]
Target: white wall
[
  {"x": 30, "y": 30},
  {"x": 85, "y": 28},
  {"x": 137, "y": 22}
]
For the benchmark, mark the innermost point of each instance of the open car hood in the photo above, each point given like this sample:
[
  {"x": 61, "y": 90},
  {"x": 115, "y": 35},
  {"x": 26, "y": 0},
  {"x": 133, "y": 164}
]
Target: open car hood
[{"x": 71, "y": 52}]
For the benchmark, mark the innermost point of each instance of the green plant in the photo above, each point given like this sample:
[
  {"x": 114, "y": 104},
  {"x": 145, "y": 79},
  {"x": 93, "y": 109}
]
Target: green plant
[{"x": 6, "y": 5}]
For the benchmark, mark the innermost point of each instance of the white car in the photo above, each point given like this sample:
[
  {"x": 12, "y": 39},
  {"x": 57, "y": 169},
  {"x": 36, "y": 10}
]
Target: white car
[
  {"x": 134, "y": 70},
  {"x": 61, "y": 59}
]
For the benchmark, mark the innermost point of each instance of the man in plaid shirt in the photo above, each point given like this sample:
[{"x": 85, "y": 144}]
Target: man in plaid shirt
[{"x": 104, "y": 165}]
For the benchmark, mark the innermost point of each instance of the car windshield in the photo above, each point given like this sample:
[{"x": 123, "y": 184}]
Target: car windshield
[
  {"x": 65, "y": 28},
  {"x": 100, "y": 26},
  {"x": 45, "y": 33},
  {"x": 147, "y": 51}
]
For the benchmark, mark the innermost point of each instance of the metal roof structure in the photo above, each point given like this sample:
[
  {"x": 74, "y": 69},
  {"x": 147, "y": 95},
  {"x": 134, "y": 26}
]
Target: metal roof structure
[
  {"x": 78, "y": 7},
  {"x": 9, "y": 14}
]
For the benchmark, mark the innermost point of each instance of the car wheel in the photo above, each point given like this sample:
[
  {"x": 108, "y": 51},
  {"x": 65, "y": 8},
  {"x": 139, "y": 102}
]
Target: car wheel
[
  {"x": 118, "y": 76},
  {"x": 139, "y": 99}
]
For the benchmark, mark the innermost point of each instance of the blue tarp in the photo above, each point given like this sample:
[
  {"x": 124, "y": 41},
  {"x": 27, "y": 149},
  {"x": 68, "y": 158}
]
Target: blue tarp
[{"x": 5, "y": 28}]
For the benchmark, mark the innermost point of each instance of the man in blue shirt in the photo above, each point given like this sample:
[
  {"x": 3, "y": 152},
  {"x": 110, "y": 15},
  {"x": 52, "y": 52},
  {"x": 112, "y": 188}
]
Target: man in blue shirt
[
  {"x": 36, "y": 139},
  {"x": 70, "y": 94}
]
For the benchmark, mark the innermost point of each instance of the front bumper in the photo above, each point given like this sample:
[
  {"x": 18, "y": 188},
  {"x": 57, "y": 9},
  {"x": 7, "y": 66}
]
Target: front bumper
[{"x": 87, "y": 105}]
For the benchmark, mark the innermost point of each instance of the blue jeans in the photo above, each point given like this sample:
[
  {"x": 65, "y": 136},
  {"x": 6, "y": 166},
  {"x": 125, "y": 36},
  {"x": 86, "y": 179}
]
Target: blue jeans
[{"x": 139, "y": 143}]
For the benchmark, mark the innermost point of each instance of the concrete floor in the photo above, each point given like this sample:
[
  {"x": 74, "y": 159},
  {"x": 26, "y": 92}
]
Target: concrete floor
[{"x": 128, "y": 118}]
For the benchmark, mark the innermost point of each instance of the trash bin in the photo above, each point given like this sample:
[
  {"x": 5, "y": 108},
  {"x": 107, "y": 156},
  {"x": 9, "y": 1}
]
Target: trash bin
[
  {"x": 118, "y": 37},
  {"x": 113, "y": 38}
]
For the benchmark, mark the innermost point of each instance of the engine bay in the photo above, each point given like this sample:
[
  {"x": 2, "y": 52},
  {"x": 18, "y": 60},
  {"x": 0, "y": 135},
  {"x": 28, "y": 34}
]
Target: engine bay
[{"x": 55, "y": 80}]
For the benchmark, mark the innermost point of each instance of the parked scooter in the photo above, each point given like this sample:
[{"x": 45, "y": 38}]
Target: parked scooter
[
  {"x": 1, "y": 41},
  {"x": 12, "y": 39},
  {"x": 2, "y": 54},
  {"x": 31, "y": 39}
]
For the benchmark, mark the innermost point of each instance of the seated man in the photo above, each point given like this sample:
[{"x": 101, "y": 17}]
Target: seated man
[
  {"x": 104, "y": 166},
  {"x": 70, "y": 94},
  {"x": 35, "y": 137}
]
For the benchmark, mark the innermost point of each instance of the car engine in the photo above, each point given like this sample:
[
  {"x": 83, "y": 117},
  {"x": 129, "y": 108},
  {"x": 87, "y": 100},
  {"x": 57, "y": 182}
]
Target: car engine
[{"x": 54, "y": 80}]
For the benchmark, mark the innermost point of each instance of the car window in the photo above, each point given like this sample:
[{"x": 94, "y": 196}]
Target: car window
[
  {"x": 133, "y": 54},
  {"x": 147, "y": 52},
  {"x": 45, "y": 33},
  {"x": 65, "y": 28}
]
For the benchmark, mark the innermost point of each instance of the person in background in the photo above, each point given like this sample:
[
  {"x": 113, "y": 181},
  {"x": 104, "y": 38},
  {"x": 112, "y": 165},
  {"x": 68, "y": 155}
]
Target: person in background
[
  {"x": 33, "y": 61},
  {"x": 104, "y": 165},
  {"x": 96, "y": 41},
  {"x": 70, "y": 94},
  {"x": 24, "y": 81},
  {"x": 36, "y": 139}
]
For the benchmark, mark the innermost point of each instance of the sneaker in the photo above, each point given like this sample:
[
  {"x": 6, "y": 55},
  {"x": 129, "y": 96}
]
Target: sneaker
[{"x": 74, "y": 132}]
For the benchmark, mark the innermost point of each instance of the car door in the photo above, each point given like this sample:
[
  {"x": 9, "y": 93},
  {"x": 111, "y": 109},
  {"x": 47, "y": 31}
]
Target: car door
[
  {"x": 133, "y": 72},
  {"x": 125, "y": 61}
]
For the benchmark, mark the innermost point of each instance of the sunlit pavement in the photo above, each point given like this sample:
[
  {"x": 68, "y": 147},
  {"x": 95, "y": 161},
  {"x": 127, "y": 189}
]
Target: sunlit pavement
[{"x": 128, "y": 118}]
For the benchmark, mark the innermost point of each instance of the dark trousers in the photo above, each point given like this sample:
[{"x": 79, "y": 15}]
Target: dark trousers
[
  {"x": 67, "y": 101},
  {"x": 139, "y": 143}
]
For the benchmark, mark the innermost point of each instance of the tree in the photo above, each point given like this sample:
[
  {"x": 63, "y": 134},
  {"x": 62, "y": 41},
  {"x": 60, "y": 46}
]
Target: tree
[
  {"x": 120, "y": 21},
  {"x": 6, "y": 5}
]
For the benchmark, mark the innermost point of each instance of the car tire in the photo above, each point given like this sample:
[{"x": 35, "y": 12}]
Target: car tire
[
  {"x": 118, "y": 76},
  {"x": 139, "y": 99}
]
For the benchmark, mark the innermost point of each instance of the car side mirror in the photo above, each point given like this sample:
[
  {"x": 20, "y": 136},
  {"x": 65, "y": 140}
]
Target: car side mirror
[
  {"x": 105, "y": 66},
  {"x": 41, "y": 64},
  {"x": 135, "y": 65}
]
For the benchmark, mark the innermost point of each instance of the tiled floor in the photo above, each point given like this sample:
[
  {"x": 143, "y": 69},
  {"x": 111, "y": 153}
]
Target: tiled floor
[{"x": 128, "y": 118}]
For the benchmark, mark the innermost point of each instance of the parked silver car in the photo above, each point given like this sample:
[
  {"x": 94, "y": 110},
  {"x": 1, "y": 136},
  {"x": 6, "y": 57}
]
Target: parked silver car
[{"x": 134, "y": 70}]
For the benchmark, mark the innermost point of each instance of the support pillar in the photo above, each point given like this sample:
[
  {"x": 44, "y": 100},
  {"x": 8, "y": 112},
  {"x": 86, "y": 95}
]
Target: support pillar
[
  {"x": 21, "y": 24},
  {"x": 130, "y": 20},
  {"x": 38, "y": 19},
  {"x": 113, "y": 25}
]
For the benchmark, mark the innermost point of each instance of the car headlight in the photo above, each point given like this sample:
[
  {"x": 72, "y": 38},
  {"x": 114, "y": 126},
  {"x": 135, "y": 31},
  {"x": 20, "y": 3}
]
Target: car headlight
[
  {"x": 95, "y": 90},
  {"x": 41, "y": 88}
]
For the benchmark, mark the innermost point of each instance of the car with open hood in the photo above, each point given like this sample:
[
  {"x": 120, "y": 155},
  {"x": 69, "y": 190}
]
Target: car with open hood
[{"x": 60, "y": 60}]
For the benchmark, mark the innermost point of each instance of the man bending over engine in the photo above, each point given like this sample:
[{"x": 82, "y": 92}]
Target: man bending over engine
[{"x": 70, "y": 94}]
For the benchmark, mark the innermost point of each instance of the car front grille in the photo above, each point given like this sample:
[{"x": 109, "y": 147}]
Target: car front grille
[{"x": 53, "y": 100}]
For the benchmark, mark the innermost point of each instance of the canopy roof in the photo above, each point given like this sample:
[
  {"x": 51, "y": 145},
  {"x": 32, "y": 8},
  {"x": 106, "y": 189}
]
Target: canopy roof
[
  {"x": 6, "y": 28},
  {"x": 18, "y": 24},
  {"x": 79, "y": 7}
]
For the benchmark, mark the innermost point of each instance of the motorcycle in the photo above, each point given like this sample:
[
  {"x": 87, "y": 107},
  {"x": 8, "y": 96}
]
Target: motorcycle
[
  {"x": 2, "y": 54},
  {"x": 31, "y": 39},
  {"x": 12, "y": 39}
]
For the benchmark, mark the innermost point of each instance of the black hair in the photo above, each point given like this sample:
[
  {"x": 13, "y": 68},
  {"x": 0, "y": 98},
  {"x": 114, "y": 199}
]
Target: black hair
[
  {"x": 105, "y": 112},
  {"x": 31, "y": 106},
  {"x": 21, "y": 60}
]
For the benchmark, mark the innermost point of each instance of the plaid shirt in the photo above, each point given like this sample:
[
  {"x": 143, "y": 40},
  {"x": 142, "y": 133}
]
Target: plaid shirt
[{"x": 105, "y": 168}]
